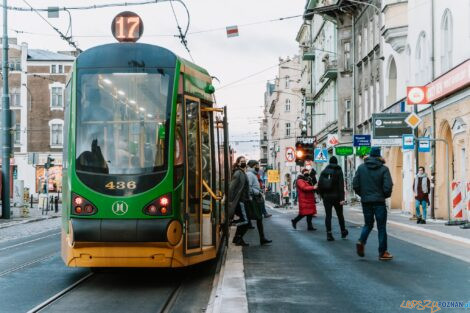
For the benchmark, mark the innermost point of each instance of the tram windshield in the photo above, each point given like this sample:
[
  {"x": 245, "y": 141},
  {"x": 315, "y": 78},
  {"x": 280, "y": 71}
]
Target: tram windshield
[{"x": 122, "y": 121}]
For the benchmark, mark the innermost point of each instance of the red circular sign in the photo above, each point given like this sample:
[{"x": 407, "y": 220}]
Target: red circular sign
[{"x": 127, "y": 27}]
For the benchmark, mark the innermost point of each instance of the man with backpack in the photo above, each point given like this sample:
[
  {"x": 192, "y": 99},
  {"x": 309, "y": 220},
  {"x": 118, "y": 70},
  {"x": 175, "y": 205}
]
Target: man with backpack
[
  {"x": 331, "y": 189},
  {"x": 373, "y": 183}
]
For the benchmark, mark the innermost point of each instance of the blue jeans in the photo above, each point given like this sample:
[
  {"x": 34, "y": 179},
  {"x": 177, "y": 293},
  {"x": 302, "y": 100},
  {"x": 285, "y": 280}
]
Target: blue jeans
[
  {"x": 423, "y": 204},
  {"x": 380, "y": 213}
]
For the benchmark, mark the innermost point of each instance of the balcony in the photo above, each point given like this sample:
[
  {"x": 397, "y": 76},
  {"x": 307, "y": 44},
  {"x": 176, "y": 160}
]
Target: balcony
[
  {"x": 395, "y": 27},
  {"x": 330, "y": 9},
  {"x": 331, "y": 70},
  {"x": 308, "y": 55}
]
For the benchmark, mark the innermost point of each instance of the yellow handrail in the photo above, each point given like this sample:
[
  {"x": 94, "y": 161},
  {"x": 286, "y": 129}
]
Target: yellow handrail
[{"x": 213, "y": 195}]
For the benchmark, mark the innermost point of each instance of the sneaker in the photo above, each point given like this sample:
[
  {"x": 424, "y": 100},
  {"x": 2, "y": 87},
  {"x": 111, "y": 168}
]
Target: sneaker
[
  {"x": 294, "y": 224},
  {"x": 265, "y": 241},
  {"x": 360, "y": 249},
  {"x": 423, "y": 221},
  {"x": 386, "y": 256},
  {"x": 329, "y": 236},
  {"x": 267, "y": 215},
  {"x": 344, "y": 233},
  {"x": 419, "y": 220}
]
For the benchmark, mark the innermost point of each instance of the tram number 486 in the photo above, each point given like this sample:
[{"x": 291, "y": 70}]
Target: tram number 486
[{"x": 120, "y": 185}]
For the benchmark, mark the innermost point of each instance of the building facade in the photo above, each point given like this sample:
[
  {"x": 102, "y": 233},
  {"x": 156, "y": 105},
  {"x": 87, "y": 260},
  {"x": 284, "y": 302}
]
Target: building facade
[{"x": 37, "y": 94}]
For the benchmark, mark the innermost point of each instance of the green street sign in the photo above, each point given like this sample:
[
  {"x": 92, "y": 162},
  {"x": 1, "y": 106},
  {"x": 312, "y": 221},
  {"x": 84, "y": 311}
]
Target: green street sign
[
  {"x": 344, "y": 150},
  {"x": 363, "y": 150}
]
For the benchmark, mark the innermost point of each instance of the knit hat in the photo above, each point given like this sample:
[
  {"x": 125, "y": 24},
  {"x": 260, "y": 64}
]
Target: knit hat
[
  {"x": 333, "y": 160},
  {"x": 252, "y": 163},
  {"x": 375, "y": 152}
]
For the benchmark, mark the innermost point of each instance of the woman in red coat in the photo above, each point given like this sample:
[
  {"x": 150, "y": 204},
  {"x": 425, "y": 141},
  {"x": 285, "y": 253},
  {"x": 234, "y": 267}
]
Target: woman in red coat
[{"x": 307, "y": 207}]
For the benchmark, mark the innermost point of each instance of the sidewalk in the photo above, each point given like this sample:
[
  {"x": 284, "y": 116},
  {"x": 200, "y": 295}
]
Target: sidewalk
[
  {"x": 353, "y": 213},
  {"x": 34, "y": 215}
]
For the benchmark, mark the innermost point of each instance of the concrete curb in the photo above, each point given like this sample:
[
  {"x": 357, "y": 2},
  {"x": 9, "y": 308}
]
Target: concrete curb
[
  {"x": 230, "y": 295},
  {"x": 25, "y": 221}
]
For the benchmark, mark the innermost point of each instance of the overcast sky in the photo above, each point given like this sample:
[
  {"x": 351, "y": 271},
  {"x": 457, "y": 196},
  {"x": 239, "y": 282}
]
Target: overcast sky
[{"x": 229, "y": 59}]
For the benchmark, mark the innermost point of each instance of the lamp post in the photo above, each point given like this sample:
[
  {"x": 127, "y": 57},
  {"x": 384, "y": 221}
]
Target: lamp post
[{"x": 6, "y": 122}]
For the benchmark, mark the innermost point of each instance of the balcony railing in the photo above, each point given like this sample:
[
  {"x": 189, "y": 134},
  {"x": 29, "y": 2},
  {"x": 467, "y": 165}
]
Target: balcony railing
[{"x": 331, "y": 70}]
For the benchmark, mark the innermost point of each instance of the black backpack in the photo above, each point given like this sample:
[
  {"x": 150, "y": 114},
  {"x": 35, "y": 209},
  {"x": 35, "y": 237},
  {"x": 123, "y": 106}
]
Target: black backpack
[{"x": 326, "y": 181}]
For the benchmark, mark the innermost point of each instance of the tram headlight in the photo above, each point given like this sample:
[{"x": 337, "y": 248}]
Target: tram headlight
[
  {"x": 159, "y": 207},
  {"x": 81, "y": 206}
]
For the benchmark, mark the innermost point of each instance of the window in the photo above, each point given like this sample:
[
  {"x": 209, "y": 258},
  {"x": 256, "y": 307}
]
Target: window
[
  {"x": 366, "y": 103},
  {"x": 14, "y": 64},
  {"x": 421, "y": 56},
  {"x": 17, "y": 135},
  {"x": 287, "y": 82},
  {"x": 57, "y": 69},
  {"x": 287, "y": 129},
  {"x": 15, "y": 98},
  {"x": 287, "y": 105},
  {"x": 371, "y": 97},
  {"x": 359, "y": 46},
  {"x": 359, "y": 105},
  {"x": 347, "y": 114},
  {"x": 371, "y": 37},
  {"x": 57, "y": 97},
  {"x": 378, "y": 100},
  {"x": 365, "y": 41},
  {"x": 56, "y": 133},
  {"x": 446, "y": 41},
  {"x": 347, "y": 56}
]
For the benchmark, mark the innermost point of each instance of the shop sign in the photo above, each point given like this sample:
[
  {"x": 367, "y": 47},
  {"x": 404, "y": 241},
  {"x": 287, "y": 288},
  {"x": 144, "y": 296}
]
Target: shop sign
[
  {"x": 273, "y": 176},
  {"x": 344, "y": 150},
  {"x": 448, "y": 83}
]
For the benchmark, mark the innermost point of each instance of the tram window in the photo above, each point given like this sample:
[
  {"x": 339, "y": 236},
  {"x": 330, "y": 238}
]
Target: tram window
[
  {"x": 179, "y": 146},
  {"x": 125, "y": 117}
]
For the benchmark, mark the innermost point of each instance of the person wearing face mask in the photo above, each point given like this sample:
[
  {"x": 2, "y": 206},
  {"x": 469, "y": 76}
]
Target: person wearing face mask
[
  {"x": 306, "y": 195},
  {"x": 421, "y": 188},
  {"x": 239, "y": 198},
  {"x": 257, "y": 200}
]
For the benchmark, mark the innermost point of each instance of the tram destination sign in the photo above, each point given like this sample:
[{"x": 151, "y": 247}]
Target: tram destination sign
[{"x": 388, "y": 128}]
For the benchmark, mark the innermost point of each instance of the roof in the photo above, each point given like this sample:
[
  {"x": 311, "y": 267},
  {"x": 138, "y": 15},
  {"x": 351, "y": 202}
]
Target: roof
[{"x": 45, "y": 55}]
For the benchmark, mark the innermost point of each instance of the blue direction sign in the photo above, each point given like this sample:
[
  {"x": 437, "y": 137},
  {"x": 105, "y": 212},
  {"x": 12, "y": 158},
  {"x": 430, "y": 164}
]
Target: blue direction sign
[
  {"x": 361, "y": 140},
  {"x": 424, "y": 144},
  {"x": 408, "y": 142},
  {"x": 321, "y": 155}
]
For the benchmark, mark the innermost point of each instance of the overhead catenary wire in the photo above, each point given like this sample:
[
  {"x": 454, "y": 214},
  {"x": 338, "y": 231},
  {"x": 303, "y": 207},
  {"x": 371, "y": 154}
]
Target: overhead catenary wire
[{"x": 182, "y": 36}]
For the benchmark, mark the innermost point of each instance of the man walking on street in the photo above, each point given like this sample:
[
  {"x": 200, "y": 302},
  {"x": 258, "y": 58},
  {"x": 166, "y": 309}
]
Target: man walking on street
[
  {"x": 373, "y": 183},
  {"x": 331, "y": 189}
]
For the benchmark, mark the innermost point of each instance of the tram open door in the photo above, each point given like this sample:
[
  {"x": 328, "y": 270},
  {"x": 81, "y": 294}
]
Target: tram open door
[{"x": 207, "y": 175}]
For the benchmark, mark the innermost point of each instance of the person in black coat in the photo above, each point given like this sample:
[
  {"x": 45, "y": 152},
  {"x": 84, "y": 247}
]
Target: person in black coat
[
  {"x": 373, "y": 183},
  {"x": 331, "y": 189}
]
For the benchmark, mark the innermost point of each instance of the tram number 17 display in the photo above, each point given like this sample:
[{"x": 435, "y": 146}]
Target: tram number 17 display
[
  {"x": 120, "y": 185},
  {"x": 127, "y": 27}
]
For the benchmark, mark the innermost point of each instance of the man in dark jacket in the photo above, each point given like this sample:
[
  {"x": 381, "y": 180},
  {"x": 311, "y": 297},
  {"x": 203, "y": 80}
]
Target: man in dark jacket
[
  {"x": 331, "y": 189},
  {"x": 373, "y": 183}
]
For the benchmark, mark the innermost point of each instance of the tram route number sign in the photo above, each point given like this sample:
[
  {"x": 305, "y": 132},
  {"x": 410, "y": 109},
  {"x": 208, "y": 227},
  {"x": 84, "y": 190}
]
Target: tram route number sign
[
  {"x": 273, "y": 176},
  {"x": 127, "y": 27}
]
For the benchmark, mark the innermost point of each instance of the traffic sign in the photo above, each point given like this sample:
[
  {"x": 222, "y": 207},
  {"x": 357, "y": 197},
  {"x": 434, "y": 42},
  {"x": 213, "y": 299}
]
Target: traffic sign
[
  {"x": 344, "y": 150},
  {"x": 321, "y": 155},
  {"x": 273, "y": 176},
  {"x": 290, "y": 154},
  {"x": 416, "y": 95},
  {"x": 408, "y": 142},
  {"x": 361, "y": 140},
  {"x": 424, "y": 144},
  {"x": 332, "y": 140},
  {"x": 363, "y": 150},
  {"x": 388, "y": 128},
  {"x": 413, "y": 120}
]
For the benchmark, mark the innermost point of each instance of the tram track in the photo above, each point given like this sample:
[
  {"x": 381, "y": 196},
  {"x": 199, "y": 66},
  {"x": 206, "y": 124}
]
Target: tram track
[{"x": 24, "y": 265}]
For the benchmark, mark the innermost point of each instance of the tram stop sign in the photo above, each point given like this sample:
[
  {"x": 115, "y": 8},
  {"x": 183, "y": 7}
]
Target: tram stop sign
[{"x": 344, "y": 150}]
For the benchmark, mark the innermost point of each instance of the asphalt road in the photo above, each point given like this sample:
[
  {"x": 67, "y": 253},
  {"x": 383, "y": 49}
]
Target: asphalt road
[
  {"x": 32, "y": 271},
  {"x": 302, "y": 272}
]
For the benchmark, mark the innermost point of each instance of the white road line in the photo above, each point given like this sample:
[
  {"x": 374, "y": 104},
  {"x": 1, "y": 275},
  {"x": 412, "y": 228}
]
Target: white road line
[{"x": 29, "y": 241}]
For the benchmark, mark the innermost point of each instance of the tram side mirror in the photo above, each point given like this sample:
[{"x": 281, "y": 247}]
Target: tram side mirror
[{"x": 210, "y": 89}]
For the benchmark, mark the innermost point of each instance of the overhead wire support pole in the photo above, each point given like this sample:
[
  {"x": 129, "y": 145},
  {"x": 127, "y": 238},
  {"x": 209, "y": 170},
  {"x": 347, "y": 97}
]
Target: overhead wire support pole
[{"x": 6, "y": 121}]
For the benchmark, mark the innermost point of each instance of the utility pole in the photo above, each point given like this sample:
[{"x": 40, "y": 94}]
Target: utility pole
[
  {"x": 6, "y": 122},
  {"x": 415, "y": 132}
]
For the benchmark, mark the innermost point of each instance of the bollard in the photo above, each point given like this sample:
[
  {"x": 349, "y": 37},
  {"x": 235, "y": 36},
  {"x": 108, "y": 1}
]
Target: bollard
[
  {"x": 31, "y": 201},
  {"x": 56, "y": 203}
]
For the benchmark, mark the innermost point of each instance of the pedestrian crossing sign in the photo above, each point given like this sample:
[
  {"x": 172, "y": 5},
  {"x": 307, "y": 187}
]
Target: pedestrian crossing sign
[{"x": 321, "y": 155}]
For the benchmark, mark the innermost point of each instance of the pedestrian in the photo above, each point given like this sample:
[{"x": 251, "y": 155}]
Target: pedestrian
[
  {"x": 257, "y": 200},
  {"x": 306, "y": 196},
  {"x": 421, "y": 187},
  {"x": 373, "y": 183},
  {"x": 285, "y": 194},
  {"x": 261, "y": 185},
  {"x": 239, "y": 198},
  {"x": 331, "y": 189}
]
